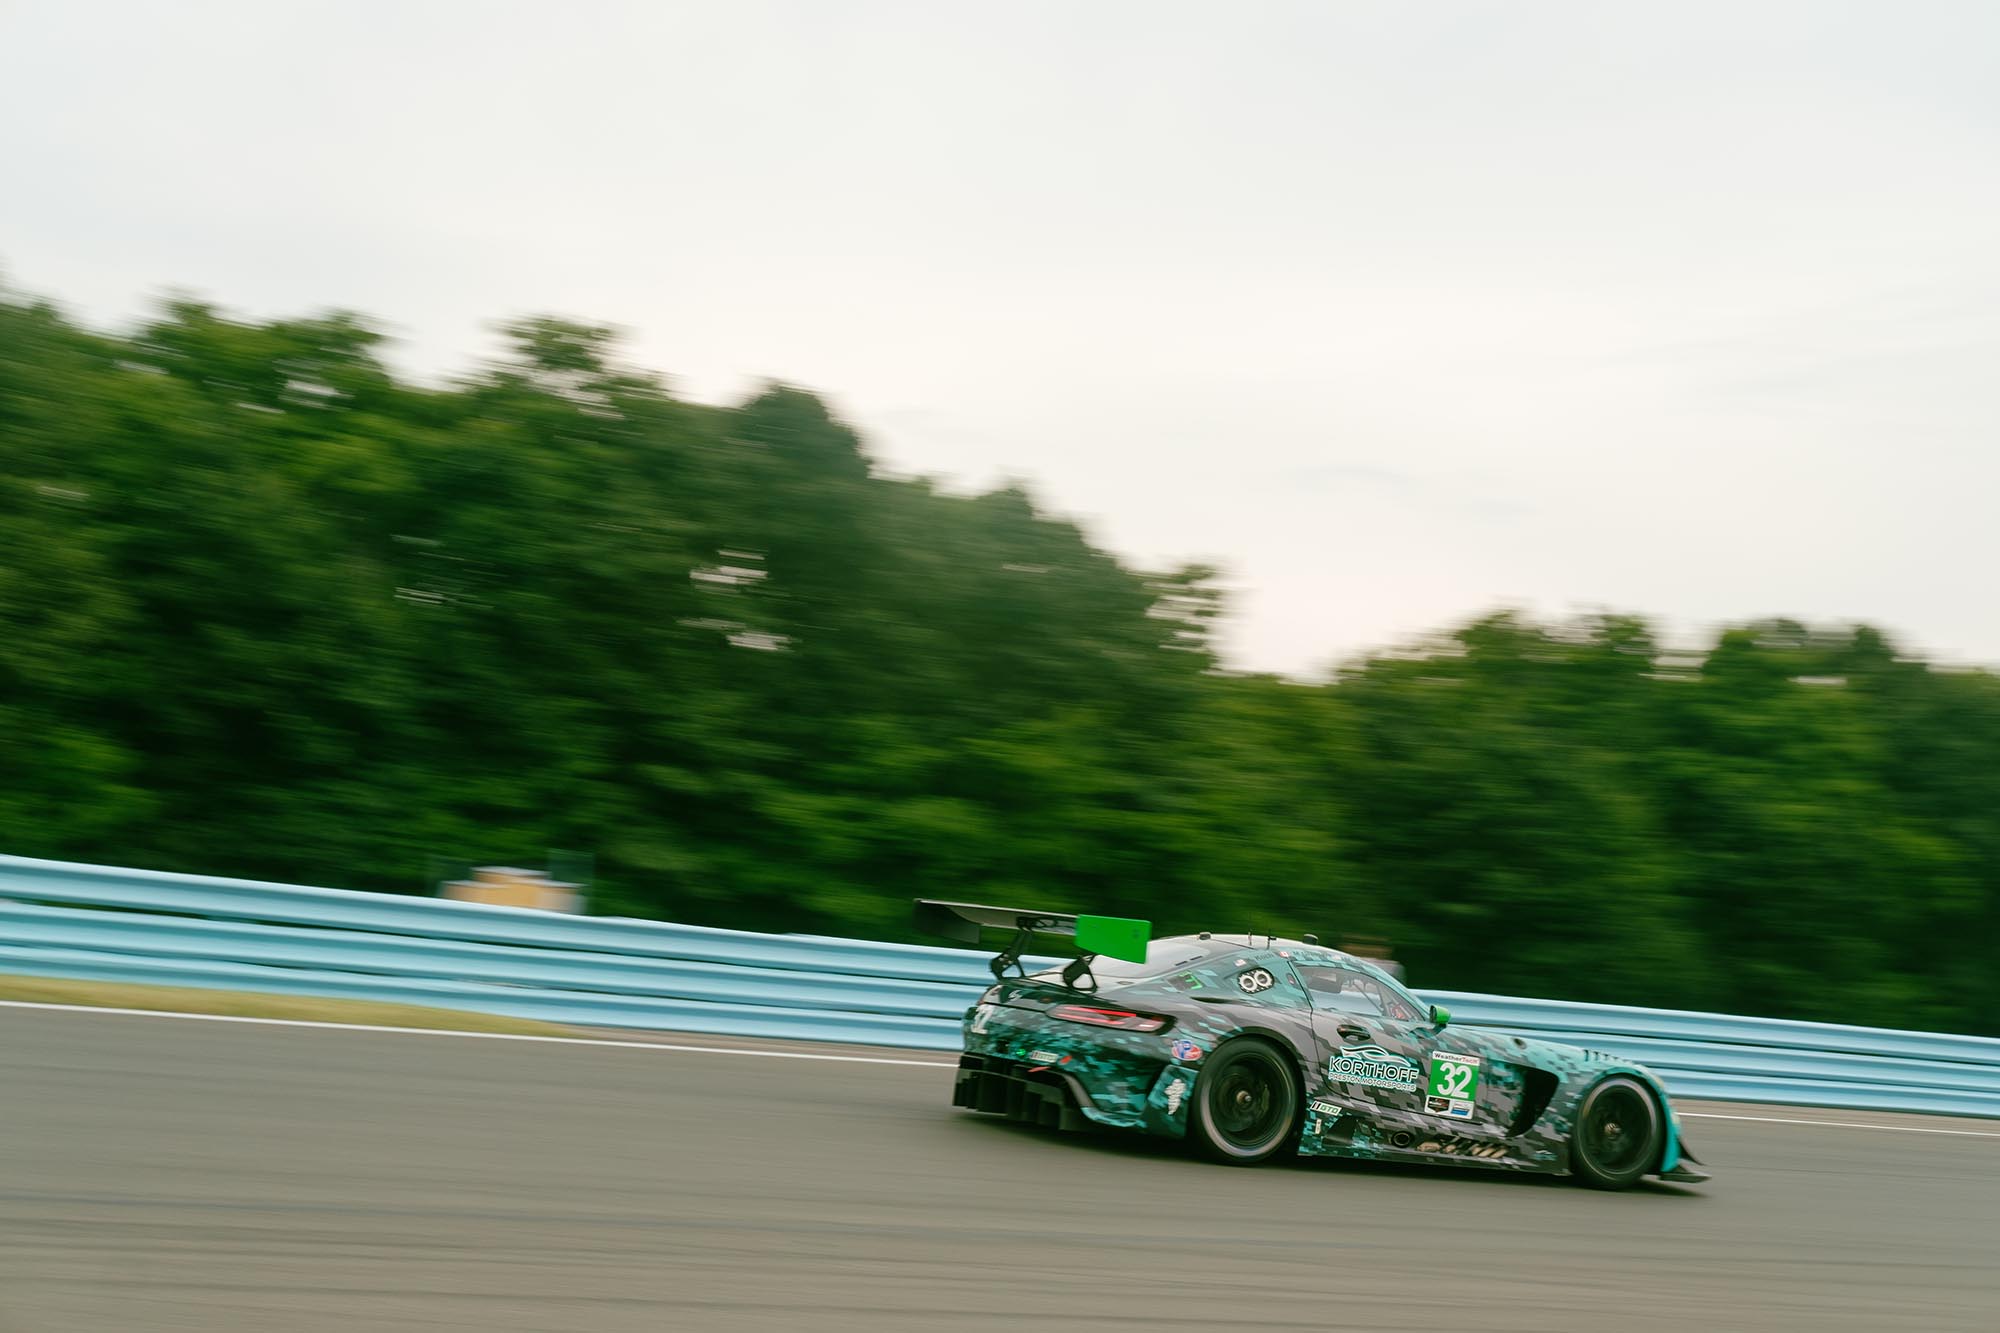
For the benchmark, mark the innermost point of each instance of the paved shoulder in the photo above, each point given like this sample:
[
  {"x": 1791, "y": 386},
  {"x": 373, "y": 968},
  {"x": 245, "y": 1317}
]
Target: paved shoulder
[{"x": 169, "y": 1175}]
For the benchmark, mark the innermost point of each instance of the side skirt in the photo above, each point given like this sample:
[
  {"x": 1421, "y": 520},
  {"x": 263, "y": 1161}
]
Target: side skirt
[{"x": 1333, "y": 1132}]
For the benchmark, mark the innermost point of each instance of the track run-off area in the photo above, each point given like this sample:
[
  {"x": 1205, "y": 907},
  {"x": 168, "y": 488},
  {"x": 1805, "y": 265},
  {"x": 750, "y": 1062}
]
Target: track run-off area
[{"x": 165, "y": 1172}]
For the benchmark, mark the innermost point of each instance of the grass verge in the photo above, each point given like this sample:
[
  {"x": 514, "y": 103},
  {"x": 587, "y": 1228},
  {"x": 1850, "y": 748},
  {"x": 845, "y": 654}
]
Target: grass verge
[{"x": 250, "y": 1004}]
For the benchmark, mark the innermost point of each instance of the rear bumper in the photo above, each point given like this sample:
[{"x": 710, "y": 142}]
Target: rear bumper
[
  {"x": 1036, "y": 1095},
  {"x": 1155, "y": 1101},
  {"x": 1021, "y": 1063}
]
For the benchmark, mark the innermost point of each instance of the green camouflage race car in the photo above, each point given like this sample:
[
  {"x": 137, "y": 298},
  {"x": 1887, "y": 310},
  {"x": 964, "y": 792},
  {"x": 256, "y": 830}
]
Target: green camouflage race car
[{"x": 1250, "y": 1047}]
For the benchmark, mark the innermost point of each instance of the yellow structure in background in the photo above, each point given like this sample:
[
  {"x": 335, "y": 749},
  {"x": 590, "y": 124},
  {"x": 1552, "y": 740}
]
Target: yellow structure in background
[{"x": 505, "y": 886}]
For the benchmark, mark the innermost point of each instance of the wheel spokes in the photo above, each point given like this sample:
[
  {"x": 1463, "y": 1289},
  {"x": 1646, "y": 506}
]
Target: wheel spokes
[
  {"x": 1245, "y": 1101},
  {"x": 1615, "y": 1133}
]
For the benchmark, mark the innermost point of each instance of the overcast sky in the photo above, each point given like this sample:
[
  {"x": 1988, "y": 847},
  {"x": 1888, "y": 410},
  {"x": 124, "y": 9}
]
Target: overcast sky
[{"x": 1396, "y": 311}]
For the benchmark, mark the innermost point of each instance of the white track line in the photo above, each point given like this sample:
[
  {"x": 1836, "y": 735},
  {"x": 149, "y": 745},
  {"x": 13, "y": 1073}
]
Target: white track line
[
  {"x": 1840, "y": 1124},
  {"x": 488, "y": 1036},
  {"x": 801, "y": 1055}
]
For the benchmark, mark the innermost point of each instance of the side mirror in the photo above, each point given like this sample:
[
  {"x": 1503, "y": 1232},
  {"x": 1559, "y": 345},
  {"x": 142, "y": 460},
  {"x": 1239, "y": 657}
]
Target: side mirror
[{"x": 1439, "y": 1015}]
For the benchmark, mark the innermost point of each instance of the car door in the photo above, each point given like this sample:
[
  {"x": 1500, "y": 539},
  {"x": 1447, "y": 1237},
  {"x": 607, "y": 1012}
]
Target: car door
[
  {"x": 1385, "y": 1058},
  {"x": 1374, "y": 1054}
]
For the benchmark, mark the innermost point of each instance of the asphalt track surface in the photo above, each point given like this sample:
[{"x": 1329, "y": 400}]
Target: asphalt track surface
[{"x": 164, "y": 1173}]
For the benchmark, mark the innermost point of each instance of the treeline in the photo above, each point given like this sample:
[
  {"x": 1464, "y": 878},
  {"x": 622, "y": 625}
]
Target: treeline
[{"x": 266, "y": 610}]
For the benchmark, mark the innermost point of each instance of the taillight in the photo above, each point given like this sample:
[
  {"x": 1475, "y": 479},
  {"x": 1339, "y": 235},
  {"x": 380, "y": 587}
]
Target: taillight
[{"x": 1123, "y": 1019}]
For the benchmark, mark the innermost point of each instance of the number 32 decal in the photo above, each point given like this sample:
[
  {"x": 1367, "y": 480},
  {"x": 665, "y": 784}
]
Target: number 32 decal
[{"x": 1454, "y": 1085}]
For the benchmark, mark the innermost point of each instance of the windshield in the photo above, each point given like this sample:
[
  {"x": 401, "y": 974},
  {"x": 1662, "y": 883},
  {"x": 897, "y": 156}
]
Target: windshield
[{"x": 1394, "y": 986}]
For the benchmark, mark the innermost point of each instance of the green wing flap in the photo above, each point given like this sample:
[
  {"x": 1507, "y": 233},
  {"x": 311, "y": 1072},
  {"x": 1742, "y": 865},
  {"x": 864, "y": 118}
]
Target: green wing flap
[{"x": 1112, "y": 936}]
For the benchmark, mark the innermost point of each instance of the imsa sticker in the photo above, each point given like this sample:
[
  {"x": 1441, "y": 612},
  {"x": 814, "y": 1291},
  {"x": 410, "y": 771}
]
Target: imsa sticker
[
  {"x": 1322, "y": 1118},
  {"x": 1454, "y": 1085}
]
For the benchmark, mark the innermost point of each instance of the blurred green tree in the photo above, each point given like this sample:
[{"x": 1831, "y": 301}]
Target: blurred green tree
[{"x": 269, "y": 610}]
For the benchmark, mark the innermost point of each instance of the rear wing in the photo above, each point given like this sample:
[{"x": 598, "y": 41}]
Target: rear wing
[{"x": 1115, "y": 936}]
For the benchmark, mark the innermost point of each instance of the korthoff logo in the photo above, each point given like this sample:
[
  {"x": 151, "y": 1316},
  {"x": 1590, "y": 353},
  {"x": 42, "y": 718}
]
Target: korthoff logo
[
  {"x": 1255, "y": 980},
  {"x": 1373, "y": 1067}
]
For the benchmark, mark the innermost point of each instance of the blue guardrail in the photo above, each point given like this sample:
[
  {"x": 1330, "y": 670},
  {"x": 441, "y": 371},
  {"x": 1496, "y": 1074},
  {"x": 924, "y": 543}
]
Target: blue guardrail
[{"x": 101, "y": 923}]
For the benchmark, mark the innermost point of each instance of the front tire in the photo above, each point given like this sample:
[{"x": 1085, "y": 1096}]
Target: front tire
[
  {"x": 1618, "y": 1135},
  {"x": 1246, "y": 1104}
]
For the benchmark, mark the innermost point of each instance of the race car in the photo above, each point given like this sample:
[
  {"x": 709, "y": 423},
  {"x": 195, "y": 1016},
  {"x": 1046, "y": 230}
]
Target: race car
[{"x": 1250, "y": 1047}]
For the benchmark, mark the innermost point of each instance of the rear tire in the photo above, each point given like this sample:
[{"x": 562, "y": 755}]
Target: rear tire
[
  {"x": 1618, "y": 1136},
  {"x": 1246, "y": 1104}
]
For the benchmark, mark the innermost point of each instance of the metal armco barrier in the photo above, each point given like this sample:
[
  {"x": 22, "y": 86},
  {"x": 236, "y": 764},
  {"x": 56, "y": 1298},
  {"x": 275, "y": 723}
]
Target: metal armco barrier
[{"x": 191, "y": 930}]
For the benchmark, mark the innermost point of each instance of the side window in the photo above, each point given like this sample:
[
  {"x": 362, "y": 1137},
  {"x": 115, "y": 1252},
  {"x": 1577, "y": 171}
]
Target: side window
[
  {"x": 1345, "y": 990},
  {"x": 1265, "y": 979}
]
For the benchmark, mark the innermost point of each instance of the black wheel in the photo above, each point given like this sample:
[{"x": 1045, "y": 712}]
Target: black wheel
[
  {"x": 1619, "y": 1130},
  {"x": 1246, "y": 1103}
]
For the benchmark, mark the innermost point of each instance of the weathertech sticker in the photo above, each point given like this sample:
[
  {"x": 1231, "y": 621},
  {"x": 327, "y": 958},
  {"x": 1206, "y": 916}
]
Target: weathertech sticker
[
  {"x": 1373, "y": 1067},
  {"x": 1454, "y": 1085}
]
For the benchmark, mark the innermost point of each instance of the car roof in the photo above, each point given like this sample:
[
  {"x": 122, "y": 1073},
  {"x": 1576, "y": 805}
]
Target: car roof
[{"x": 1250, "y": 943}]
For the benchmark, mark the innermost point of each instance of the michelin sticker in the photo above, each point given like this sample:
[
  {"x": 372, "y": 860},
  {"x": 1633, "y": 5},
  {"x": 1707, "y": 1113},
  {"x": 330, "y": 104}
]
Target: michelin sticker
[
  {"x": 1176, "y": 1090},
  {"x": 981, "y": 1017},
  {"x": 1454, "y": 1085},
  {"x": 1373, "y": 1067}
]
